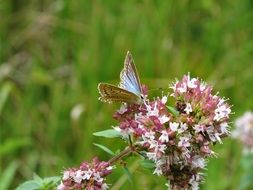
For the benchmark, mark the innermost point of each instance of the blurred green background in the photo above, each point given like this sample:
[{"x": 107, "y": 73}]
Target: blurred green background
[{"x": 54, "y": 53}]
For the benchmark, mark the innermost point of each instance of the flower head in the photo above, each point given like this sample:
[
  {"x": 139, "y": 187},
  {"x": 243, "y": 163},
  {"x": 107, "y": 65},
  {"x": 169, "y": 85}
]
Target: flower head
[
  {"x": 244, "y": 131},
  {"x": 87, "y": 176},
  {"x": 178, "y": 144}
]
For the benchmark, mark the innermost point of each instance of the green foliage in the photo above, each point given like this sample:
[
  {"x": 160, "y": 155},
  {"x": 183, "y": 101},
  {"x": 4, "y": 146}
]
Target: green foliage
[
  {"x": 109, "y": 133},
  {"x": 54, "y": 53},
  {"x": 38, "y": 183},
  {"x": 147, "y": 164},
  {"x": 104, "y": 148},
  {"x": 7, "y": 176},
  {"x": 128, "y": 174},
  {"x": 173, "y": 111},
  {"x": 4, "y": 93}
]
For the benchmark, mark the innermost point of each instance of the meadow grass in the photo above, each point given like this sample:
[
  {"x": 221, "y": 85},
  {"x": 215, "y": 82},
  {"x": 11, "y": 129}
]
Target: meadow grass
[{"x": 54, "y": 53}]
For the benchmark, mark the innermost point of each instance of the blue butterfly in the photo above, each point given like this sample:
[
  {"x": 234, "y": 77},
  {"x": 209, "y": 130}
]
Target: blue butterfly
[{"x": 129, "y": 89}]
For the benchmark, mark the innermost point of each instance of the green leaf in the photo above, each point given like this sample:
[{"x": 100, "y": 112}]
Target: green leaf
[
  {"x": 54, "y": 179},
  {"x": 37, "y": 178},
  {"x": 110, "y": 133},
  {"x": 39, "y": 184},
  {"x": 13, "y": 144},
  {"x": 147, "y": 164},
  {"x": 7, "y": 175},
  {"x": 29, "y": 185},
  {"x": 173, "y": 110},
  {"x": 50, "y": 182},
  {"x": 128, "y": 174},
  {"x": 105, "y": 149},
  {"x": 4, "y": 93}
]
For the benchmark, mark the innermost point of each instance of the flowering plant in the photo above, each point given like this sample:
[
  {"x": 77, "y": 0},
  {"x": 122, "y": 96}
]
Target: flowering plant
[
  {"x": 175, "y": 132},
  {"x": 177, "y": 139},
  {"x": 244, "y": 131}
]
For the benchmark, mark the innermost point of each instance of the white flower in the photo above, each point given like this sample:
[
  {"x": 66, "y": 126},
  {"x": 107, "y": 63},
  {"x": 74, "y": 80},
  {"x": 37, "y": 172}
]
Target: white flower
[
  {"x": 217, "y": 136},
  {"x": 174, "y": 126},
  {"x": 149, "y": 135},
  {"x": 87, "y": 174},
  {"x": 194, "y": 184},
  {"x": 163, "y": 119},
  {"x": 154, "y": 111},
  {"x": 188, "y": 108},
  {"x": 151, "y": 156},
  {"x": 221, "y": 112},
  {"x": 79, "y": 176},
  {"x": 153, "y": 144},
  {"x": 198, "y": 162},
  {"x": 158, "y": 171},
  {"x": 198, "y": 128},
  {"x": 66, "y": 175},
  {"x": 164, "y": 99},
  {"x": 111, "y": 167},
  {"x": 164, "y": 137},
  {"x": 104, "y": 186},
  {"x": 210, "y": 132},
  {"x": 161, "y": 148},
  {"x": 213, "y": 135},
  {"x": 184, "y": 142},
  {"x": 224, "y": 128},
  {"x": 221, "y": 101},
  {"x": 138, "y": 116},
  {"x": 158, "y": 147},
  {"x": 183, "y": 127},
  {"x": 191, "y": 82},
  {"x": 97, "y": 177},
  {"x": 182, "y": 88}
]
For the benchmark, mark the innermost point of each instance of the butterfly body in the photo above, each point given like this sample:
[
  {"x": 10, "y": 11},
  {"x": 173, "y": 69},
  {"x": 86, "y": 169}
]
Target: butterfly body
[{"x": 129, "y": 89}]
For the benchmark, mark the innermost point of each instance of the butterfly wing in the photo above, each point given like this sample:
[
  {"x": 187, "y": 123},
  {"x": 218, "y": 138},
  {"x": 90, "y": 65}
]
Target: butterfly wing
[
  {"x": 129, "y": 78},
  {"x": 110, "y": 93}
]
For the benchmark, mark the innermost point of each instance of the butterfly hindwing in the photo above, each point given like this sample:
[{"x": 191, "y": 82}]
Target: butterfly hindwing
[{"x": 110, "y": 93}]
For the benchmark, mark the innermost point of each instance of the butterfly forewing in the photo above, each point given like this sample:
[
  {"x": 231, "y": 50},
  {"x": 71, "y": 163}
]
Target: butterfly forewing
[
  {"x": 129, "y": 76},
  {"x": 110, "y": 93}
]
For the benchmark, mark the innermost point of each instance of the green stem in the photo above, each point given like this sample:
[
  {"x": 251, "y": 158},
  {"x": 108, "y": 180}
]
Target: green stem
[{"x": 122, "y": 154}]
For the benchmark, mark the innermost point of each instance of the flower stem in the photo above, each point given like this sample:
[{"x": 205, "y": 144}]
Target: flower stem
[{"x": 122, "y": 154}]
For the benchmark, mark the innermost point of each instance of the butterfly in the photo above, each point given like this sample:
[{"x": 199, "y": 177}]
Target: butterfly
[{"x": 129, "y": 89}]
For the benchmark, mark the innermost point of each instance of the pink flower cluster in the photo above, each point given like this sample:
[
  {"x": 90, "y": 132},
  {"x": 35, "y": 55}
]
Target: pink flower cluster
[
  {"x": 89, "y": 176},
  {"x": 244, "y": 131},
  {"x": 178, "y": 143}
]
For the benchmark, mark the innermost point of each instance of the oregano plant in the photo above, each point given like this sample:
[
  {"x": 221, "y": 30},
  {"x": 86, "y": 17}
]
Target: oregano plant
[{"x": 173, "y": 134}]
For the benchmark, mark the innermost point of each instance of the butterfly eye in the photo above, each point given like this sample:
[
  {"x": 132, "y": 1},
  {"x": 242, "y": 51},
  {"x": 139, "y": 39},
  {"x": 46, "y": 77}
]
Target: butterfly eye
[{"x": 142, "y": 96}]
